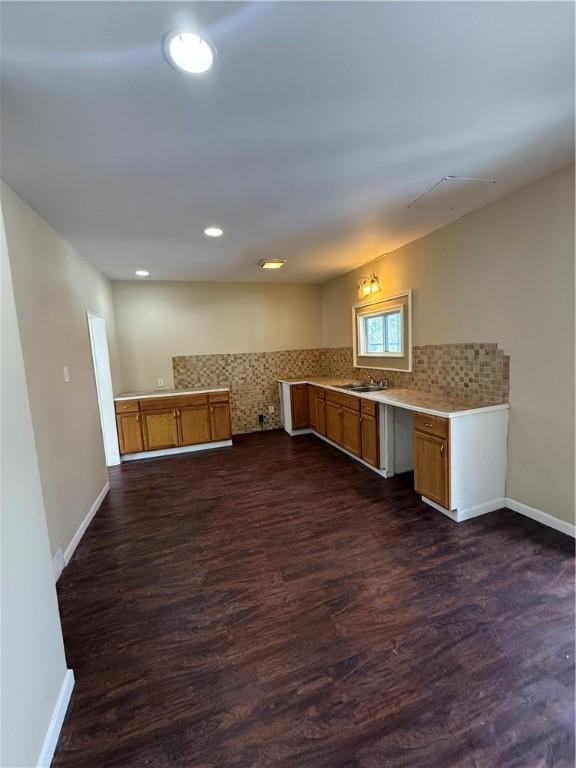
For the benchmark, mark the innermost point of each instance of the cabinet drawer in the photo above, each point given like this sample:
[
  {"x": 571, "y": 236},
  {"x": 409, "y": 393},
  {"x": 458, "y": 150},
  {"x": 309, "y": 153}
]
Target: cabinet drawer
[
  {"x": 369, "y": 407},
  {"x": 433, "y": 425},
  {"x": 347, "y": 401},
  {"x": 126, "y": 406},
  {"x": 172, "y": 402},
  {"x": 219, "y": 397}
]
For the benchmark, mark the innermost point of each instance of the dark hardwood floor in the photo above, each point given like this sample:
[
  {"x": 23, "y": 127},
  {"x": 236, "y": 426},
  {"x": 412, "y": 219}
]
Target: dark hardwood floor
[{"x": 277, "y": 604}]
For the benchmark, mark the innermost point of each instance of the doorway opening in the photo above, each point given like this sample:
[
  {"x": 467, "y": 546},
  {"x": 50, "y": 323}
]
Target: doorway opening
[{"x": 104, "y": 390}]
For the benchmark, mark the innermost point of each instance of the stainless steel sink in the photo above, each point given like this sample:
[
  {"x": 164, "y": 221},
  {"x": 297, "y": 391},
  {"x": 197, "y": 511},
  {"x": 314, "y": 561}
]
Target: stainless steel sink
[{"x": 362, "y": 387}]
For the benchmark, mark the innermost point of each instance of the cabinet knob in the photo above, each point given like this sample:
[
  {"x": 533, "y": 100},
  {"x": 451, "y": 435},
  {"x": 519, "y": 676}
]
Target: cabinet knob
[
  {"x": 137, "y": 418},
  {"x": 174, "y": 415},
  {"x": 442, "y": 450},
  {"x": 428, "y": 424},
  {"x": 211, "y": 409}
]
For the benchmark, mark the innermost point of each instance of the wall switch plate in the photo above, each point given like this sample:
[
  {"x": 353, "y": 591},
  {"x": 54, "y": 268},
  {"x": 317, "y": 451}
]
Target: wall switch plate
[
  {"x": 271, "y": 409},
  {"x": 160, "y": 382},
  {"x": 66, "y": 374}
]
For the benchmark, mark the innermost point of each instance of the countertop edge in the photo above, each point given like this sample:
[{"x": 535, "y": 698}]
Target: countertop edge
[
  {"x": 379, "y": 397},
  {"x": 159, "y": 393}
]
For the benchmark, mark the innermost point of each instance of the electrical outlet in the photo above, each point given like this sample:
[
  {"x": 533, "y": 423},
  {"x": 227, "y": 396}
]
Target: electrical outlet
[
  {"x": 160, "y": 382},
  {"x": 66, "y": 374},
  {"x": 271, "y": 409}
]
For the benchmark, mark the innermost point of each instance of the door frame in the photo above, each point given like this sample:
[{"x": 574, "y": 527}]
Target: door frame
[{"x": 104, "y": 390}]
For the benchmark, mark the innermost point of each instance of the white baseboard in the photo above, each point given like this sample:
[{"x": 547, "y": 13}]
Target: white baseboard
[
  {"x": 542, "y": 517},
  {"x": 174, "y": 451},
  {"x": 460, "y": 515},
  {"x": 516, "y": 506},
  {"x": 61, "y": 560},
  {"x": 56, "y": 721},
  {"x": 481, "y": 509}
]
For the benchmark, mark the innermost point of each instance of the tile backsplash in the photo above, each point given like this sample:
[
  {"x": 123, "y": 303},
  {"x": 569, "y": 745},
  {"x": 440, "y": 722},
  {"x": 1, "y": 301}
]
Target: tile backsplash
[{"x": 478, "y": 371}]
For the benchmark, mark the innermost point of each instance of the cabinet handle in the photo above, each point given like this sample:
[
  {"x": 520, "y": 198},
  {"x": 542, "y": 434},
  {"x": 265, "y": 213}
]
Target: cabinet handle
[
  {"x": 428, "y": 424},
  {"x": 211, "y": 409},
  {"x": 137, "y": 418},
  {"x": 361, "y": 418},
  {"x": 442, "y": 450},
  {"x": 174, "y": 414}
]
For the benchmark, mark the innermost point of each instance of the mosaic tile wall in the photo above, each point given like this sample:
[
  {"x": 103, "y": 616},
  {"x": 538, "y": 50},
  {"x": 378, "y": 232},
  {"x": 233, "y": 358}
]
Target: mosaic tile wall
[
  {"x": 252, "y": 378},
  {"x": 478, "y": 371}
]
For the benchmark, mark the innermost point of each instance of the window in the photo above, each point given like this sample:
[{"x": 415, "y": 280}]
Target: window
[{"x": 381, "y": 333}]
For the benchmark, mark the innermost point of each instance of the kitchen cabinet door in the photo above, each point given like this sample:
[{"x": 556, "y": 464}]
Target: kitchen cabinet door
[
  {"x": 299, "y": 402},
  {"x": 313, "y": 407},
  {"x": 194, "y": 425},
  {"x": 351, "y": 431},
  {"x": 160, "y": 429},
  {"x": 320, "y": 415},
  {"x": 220, "y": 422},
  {"x": 333, "y": 422},
  {"x": 431, "y": 468},
  {"x": 370, "y": 446},
  {"x": 129, "y": 432}
]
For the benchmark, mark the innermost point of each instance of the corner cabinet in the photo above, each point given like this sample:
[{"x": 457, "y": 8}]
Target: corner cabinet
[
  {"x": 177, "y": 421},
  {"x": 339, "y": 417}
]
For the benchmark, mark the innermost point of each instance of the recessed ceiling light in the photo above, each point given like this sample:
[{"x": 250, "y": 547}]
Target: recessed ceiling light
[
  {"x": 213, "y": 232},
  {"x": 188, "y": 52},
  {"x": 271, "y": 263},
  {"x": 142, "y": 273}
]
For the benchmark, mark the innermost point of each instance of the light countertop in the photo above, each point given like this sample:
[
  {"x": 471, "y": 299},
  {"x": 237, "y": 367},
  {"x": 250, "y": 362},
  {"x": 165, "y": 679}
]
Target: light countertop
[
  {"x": 169, "y": 393},
  {"x": 446, "y": 406}
]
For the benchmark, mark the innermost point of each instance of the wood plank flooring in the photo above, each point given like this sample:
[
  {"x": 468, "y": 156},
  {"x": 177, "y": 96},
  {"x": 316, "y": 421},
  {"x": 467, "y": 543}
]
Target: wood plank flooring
[{"x": 277, "y": 604}]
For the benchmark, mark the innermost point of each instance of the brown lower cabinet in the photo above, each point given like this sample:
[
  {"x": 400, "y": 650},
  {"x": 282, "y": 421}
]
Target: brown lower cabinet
[
  {"x": 351, "y": 428},
  {"x": 432, "y": 458},
  {"x": 129, "y": 432},
  {"x": 337, "y": 417},
  {"x": 220, "y": 424},
  {"x": 299, "y": 405},
  {"x": 316, "y": 412},
  {"x": 158, "y": 423},
  {"x": 193, "y": 425},
  {"x": 370, "y": 447},
  {"x": 159, "y": 429}
]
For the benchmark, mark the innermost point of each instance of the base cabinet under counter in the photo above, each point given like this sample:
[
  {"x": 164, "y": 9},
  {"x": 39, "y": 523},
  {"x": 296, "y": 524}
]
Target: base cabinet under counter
[
  {"x": 459, "y": 461},
  {"x": 166, "y": 423}
]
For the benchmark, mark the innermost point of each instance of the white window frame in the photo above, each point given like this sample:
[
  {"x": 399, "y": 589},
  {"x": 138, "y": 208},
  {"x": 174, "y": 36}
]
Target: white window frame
[
  {"x": 407, "y": 318},
  {"x": 362, "y": 341}
]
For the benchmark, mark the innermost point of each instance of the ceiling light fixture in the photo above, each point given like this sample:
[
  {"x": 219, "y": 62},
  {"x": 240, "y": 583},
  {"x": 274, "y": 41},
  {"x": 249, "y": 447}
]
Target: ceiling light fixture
[
  {"x": 188, "y": 52},
  {"x": 213, "y": 232},
  {"x": 271, "y": 263},
  {"x": 142, "y": 273}
]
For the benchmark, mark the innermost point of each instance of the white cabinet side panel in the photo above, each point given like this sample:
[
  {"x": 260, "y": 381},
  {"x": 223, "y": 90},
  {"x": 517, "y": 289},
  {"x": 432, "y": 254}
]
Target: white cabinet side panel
[{"x": 478, "y": 446}]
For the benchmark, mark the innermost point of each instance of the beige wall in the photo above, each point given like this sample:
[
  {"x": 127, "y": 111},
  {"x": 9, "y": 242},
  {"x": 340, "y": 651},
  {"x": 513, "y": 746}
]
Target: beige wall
[
  {"x": 504, "y": 274},
  {"x": 159, "y": 320},
  {"x": 54, "y": 287},
  {"x": 33, "y": 662}
]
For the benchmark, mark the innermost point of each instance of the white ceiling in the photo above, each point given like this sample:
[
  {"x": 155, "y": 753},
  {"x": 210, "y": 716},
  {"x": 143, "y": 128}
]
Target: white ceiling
[{"x": 318, "y": 125}]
